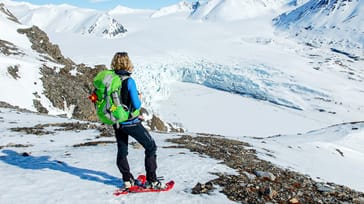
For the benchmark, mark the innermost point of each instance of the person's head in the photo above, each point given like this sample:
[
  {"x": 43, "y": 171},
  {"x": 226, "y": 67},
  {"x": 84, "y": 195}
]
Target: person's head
[{"x": 121, "y": 61}]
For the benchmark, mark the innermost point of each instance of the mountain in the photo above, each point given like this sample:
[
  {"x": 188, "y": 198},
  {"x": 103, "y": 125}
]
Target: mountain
[
  {"x": 106, "y": 26},
  {"x": 119, "y": 10},
  {"x": 20, "y": 65},
  {"x": 337, "y": 23},
  {"x": 230, "y": 10},
  {"x": 183, "y": 8},
  {"x": 240, "y": 79},
  {"x": 40, "y": 77},
  {"x": 56, "y": 18}
]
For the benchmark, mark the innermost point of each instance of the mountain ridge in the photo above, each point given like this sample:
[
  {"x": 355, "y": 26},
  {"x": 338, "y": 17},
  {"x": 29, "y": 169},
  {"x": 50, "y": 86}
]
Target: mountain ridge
[
  {"x": 85, "y": 21},
  {"x": 337, "y": 23}
]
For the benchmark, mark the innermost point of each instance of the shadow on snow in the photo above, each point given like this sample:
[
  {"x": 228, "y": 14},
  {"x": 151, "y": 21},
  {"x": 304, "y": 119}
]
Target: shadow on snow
[{"x": 44, "y": 162}]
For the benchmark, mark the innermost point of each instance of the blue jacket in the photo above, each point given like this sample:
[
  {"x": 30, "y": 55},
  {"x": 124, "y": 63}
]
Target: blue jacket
[{"x": 133, "y": 92}]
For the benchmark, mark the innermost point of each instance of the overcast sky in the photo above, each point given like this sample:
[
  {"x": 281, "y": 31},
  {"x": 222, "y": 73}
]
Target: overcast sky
[{"x": 108, "y": 4}]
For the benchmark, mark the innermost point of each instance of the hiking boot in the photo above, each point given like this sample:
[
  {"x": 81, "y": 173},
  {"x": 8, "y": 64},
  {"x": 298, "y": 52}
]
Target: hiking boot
[{"x": 155, "y": 185}]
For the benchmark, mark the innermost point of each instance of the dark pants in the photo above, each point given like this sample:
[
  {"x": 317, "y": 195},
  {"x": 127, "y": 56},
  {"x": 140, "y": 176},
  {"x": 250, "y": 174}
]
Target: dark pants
[{"x": 140, "y": 134}]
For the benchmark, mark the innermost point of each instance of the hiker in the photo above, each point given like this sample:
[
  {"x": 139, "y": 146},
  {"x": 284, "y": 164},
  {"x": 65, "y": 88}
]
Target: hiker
[{"x": 131, "y": 98}]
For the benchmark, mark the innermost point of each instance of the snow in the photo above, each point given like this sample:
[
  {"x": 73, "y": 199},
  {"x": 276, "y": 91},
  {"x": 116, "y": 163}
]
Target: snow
[
  {"x": 223, "y": 113},
  {"x": 324, "y": 153},
  {"x": 84, "y": 21},
  {"x": 231, "y": 10},
  {"x": 24, "y": 88},
  {"x": 215, "y": 70},
  {"x": 59, "y": 173},
  {"x": 341, "y": 21},
  {"x": 119, "y": 9},
  {"x": 183, "y": 7}
]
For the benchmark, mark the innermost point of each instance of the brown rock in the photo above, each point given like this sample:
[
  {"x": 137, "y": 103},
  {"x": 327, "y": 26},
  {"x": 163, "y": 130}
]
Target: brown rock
[{"x": 294, "y": 201}]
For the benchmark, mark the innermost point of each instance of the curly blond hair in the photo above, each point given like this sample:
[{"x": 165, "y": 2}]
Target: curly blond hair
[{"x": 121, "y": 61}]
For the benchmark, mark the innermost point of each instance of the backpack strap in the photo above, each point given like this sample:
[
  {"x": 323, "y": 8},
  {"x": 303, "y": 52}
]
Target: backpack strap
[{"x": 124, "y": 94}]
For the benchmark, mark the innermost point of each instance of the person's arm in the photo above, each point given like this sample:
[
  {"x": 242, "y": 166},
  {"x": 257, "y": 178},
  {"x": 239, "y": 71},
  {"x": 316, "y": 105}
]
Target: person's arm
[{"x": 134, "y": 95}]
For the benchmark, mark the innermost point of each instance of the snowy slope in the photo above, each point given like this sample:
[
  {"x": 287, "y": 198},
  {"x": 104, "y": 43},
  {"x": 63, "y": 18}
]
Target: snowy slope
[
  {"x": 229, "y": 10},
  {"x": 53, "y": 18},
  {"x": 182, "y": 8},
  {"x": 265, "y": 84},
  {"x": 26, "y": 85},
  {"x": 324, "y": 153},
  {"x": 119, "y": 9},
  {"x": 57, "y": 172},
  {"x": 338, "y": 24}
]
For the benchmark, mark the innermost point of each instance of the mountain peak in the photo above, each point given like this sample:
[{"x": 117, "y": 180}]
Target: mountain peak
[
  {"x": 57, "y": 18},
  {"x": 230, "y": 10},
  {"x": 337, "y": 18},
  {"x": 181, "y": 7},
  {"x": 106, "y": 26}
]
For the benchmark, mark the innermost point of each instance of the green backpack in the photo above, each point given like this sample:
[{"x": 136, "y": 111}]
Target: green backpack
[{"x": 106, "y": 97}]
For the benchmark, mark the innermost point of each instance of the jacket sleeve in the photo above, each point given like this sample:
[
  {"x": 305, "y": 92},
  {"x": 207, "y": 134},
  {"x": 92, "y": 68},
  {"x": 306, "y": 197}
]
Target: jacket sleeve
[{"x": 135, "y": 101}]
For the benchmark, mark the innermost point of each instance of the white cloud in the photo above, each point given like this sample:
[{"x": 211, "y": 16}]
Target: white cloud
[{"x": 98, "y": 1}]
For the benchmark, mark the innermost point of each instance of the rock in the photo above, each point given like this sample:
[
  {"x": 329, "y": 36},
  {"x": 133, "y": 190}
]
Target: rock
[
  {"x": 157, "y": 124},
  {"x": 249, "y": 175},
  {"x": 269, "y": 192},
  {"x": 9, "y": 15},
  {"x": 359, "y": 200},
  {"x": 197, "y": 189},
  {"x": 294, "y": 201},
  {"x": 289, "y": 186},
  {"x": 39, "y": 107},
  {"x": 7, "y": 48},
  {"x": 202, "y": 188},
  {"x": 324, "y": 188},
  {"x": 267, "y": 175},
  {"x": 40, "y": 43}
]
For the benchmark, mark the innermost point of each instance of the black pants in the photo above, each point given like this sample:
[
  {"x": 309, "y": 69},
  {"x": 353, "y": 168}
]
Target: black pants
[{"x": 140, "y": 134}]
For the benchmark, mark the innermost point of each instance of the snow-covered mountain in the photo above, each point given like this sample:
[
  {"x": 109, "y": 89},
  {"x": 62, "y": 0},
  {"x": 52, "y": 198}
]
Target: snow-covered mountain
[
  {"x": 39, "y": 75},
  {"x": 229, "y": 10},
  {"x": 230, "y": 76},
  {"x": 337, "y": 23},
  {"x": 119, "y": 9},
  {"x": 182, "y": 8},
  {"x": 54, "y": 18},
  {"x": 20, "y": 66},
  {"x": 106, "y": 26}
]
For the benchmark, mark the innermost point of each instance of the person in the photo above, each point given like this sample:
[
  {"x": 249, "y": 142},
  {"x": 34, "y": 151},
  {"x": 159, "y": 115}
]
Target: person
[{"x": 131, "y": 98}]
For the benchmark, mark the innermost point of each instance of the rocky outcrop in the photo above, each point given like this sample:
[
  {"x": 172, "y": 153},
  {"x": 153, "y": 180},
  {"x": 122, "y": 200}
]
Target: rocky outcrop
[
  {"x": 41, "y": 44},
  {"x": 7, "y": 105},
  {"x": 259, "y": 181},
  {"x": 8, "y": 14},
  {"x": 70, "y": 92},
  {"x": 8, "y": 48},
  {"x": 13, "y": 71},
  {"x": 157, "y": 124},
  {"x": 65, "y": 90}
]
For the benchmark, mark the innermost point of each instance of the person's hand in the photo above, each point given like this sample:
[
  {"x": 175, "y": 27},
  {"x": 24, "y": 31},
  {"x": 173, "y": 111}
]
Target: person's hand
[
  {"x": 140, "y": 95},
  {"x": 141, "y": 117}
]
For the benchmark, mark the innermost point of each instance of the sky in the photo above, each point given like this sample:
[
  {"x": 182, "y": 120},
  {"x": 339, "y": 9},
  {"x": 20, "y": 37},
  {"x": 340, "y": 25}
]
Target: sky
[{"x": 108, "y": 4}]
